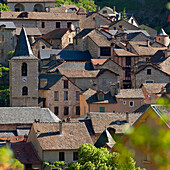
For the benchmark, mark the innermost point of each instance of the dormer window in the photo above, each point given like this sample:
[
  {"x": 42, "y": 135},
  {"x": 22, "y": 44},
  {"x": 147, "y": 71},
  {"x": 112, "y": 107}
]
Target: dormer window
[{"x": 100, "y": 96}]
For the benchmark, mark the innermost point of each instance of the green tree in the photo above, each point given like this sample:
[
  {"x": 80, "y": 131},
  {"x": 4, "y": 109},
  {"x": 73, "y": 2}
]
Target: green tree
[
  {"x": 124, "y": 14},
  {"x": 92, "y": 158},
  {"x": 3, "y": 70},
  {"x": 4, "y": 8}
]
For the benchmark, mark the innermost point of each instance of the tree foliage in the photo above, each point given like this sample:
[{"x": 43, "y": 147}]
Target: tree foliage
[
  {"x": 4, "y": 8},
  {"x": 86, "y": 4},
  {"x": 3, "y": 70},
  {"x": 7, "y": 160},
  {"x": 92, "y": 158}
]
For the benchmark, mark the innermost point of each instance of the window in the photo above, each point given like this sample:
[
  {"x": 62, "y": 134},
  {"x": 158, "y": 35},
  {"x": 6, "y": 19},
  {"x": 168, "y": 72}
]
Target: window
[
  {"x": 128, "y": 61},
  {"x": 24, "y": 91},
  {"x": 77, "y": 110},
  {"x": 43, "y": 47},
  {"x": 105, "y": 51},
  {"x": 127, "y": 72},
  {"x": 124, "y": 102},
  {"x": 149, "y": 81},
  {"x": 57, "y": 24},
  {"x": 148, "y": 71},
  {"x": 131, "y": 21},
  {"x": 56, "y": 96},
  {"x": 2, "y": 29},
  {"x": 147, "y": 59},
  {"x": 75, "y": 156},
  {"x": 3, "y": 38},
  {"x": 77, "y": 95},
  {"x": 66, "y": 110},
  {"x": 17, "y": 10},
  {"x": 61, "y": 156},
  {"x": 131, "y": 103},
  {"x": 104, "y": 11},
  {"x": 102, "y": 109},
  {"x": 66, "y": 84},
  {"x": 76, "y": 41},
  {"x": 69, "y": 24},
  {"x": 69, "y": 39},
  {"x": 56, "y": 110},
  {"x": 24, "y": 69},
  {"x": 65, "y": 95},
  {"x": 42, "y": 24},
  {"x": 101, "y": 97},
  {"x": 114, "y": 28}
]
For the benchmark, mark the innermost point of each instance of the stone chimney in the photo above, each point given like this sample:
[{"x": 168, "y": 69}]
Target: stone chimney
[
  {"x": 43, "y": 83},
  {"x": 61, "y": 127},
  {"x": 127, "y": 117}
]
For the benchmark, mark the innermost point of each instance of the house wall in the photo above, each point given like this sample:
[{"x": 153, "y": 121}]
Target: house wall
[
  {"x": 65, "y": 38},
  {"x": 71, "y": 103},
  {"x": 7, "y": 45},
  {"x": 93, "y": 49},
  {"x": 16, "y": 83},
  {"x": 142, "y": 77},
  {"x": 83, "y": 105},
  {"x": 105, "y": 9}
]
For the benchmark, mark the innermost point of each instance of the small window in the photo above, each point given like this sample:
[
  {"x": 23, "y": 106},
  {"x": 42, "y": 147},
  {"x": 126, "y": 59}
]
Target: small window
[
  {"x": 69, "y": 39},
  {"x": 77, "y": 95},
  {"x": 66, "y": 110},
  {"x": 56, "y": 96},
  {"x": 147, "y": 59},
  {"x": 61, "y": 156},
  {"x": 69, "y": 24},
  {"x": 24, "y": 91},
  {"x": 2, "y": 29},
  {"x": 124, "y": 102},
  {"x": 127, "y": 72},
  {"x": 105, "y": 51},
  {"x": 3, "y": 38},
  {"x": 131, "y": 103},
  {"x": 65, "y": 84},
  {"x": 102, "y": 109},
  {"x": 43, "y": 47},
  {"x": 24, "y": 69},
  {"x": 114, "y": 28},
  {"x": 76, "y": 41},
  {"x": 57, "y": 24},
  {"x": 128, "y": 61},
  {"x": 149, "y": 81},
  {"x": 148, "y": 71},
  {"x": 77, "y": 110},
  {"x": 75, "y": 156},
  {"x": 104, "y": 11},
  {"x": 131, "y": 21},
  {"x": 42, "y": 24},
  {"x": 66, "y": 96},
  {"x": 56, "y": 110},
  {"x": 101, "y": 97}
]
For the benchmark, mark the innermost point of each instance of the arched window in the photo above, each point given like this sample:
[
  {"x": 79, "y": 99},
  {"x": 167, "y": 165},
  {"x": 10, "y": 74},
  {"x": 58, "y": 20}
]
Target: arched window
[
  {"x": 24, "y": 69},
  {"x": 24, "y": 91}
]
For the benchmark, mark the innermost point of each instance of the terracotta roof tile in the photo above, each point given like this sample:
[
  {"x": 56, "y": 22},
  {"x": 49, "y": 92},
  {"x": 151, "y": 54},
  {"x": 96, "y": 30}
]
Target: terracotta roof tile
[{"x": 98, "y": 61}]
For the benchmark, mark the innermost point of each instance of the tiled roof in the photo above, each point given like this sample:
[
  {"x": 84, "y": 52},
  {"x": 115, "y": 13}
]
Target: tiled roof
[
  {"x": 67, "y": 55},
  {"x": 130, "y": 93},
  {"x": 158, "y": 57},
  {"x": 137, "y": 31},
  {"x": 23, "y": 49},
  {"x": 73, "y": 135},
  {"x": 150, "y": 30},
  {"x": 142, "y": 108},
  {"x": 25, "y": 153},
  {"x": 91, "y": 97},
  {"x": 154, "y": 87},
  {"x": 122, "y": 52},
  {"x": 100, "y": 121},
  {"x": 26, "y": 115},
  {"x": 51, "y": 80},
  {"x": 83, "y": 33},
  {"x": 165, "y": 65},
  {"x": 13, "y": 139},
  {"x": 142, "y": 48},
  {"x": 40, "y": 16},
  {"x": 98, "y": 61},
  {"x": 8, "y": 25},
  {"x": 29, "y": 31},
  {"x": 55, "y": 34},
  {"x": 81, "y": 11}
]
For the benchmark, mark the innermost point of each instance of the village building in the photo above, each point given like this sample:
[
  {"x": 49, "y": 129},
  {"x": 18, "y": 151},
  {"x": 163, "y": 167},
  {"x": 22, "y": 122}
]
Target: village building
[
  {"x": 60, "y": 95},
  {"x": 144, "y": 152},
  {"x": 162, "y": 38}
]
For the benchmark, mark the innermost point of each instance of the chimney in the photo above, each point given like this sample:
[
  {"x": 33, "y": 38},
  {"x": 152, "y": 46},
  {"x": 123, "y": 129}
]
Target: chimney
[
  {"x": 43, "y": 83},
  {"x": 60, "y": 127},
  {"x": 114, "y": 9},
  {"x": 113, "y": 89},
  {"x": 8, "y": 144},
  {"x": 127, "y": 117}
]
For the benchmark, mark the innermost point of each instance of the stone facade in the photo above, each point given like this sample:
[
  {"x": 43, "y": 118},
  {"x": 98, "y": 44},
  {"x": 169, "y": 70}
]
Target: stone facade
[
  {"x": 156, "y": 76},
  {"x": 93, "y": 48},
  {"x": 17, "y": 82},
  {"x": 72, "y": 102}
]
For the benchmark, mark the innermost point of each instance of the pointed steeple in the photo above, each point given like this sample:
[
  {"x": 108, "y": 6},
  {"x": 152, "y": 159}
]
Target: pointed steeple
[
  {"x": 162, "y": 32},
  {"x": 23, "y": 48}
]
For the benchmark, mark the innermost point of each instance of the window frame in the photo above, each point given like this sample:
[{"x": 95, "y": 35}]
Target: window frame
[
  {"x": 65, "y": 84},
  {"x": 101, "y": 109},
  {"x": 65, "y": 95},
  {"x": 25, "y": 91},
  {"x": 56, "y": 96},
  {"x": 77, "y": 110},
  {"x": 61, "y": 156},
  {"x": 77, "y": 96},
  {"x": 75, "y": 156},
  {"x": 43, "y": 24},
  {"x": 105, "y": 51},
  {"x": 132, "y": 102},
  {"x": 66, "y": 110},
  {"x": 149, "y": 71},
  {"x": 59, "y": 24},
  {"x": 56, "y": 110},
  {"x": 24, "y": 68}
]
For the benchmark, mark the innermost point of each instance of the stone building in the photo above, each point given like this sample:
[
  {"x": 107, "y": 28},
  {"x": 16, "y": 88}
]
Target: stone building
[
  {"x": 30, "y": 5},
  {"x": 8, "y": 40},
  {"x": 163, "y": 38},
  {"x": 23, "y": 74},
  {"x": 60, "y": 95}
]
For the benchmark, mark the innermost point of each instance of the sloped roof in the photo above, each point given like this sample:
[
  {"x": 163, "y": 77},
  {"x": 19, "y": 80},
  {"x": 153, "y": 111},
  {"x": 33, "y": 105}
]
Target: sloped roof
[
  {"x": 55, "y": 34},
  {"x": 130, "y": 93},
  {"x": 23, "y": 49},
  {"x": 73, "y": 135},
  {"x": 26, "y": 153},
  {"x": 154, "y": 88},
  {"x": 158, "y": 57},
  {"x": 84, "y": 32},
  {"x": 67, "y": 55},
  {"x": 165, "y": 65},
  {"x": 26, "y": 115},
  {"x": 122, "y": 52},
  {"x": 29, "y": 31},
  {"x": 81, "y": 11},
  {"x": 8, "y": 25},
  {"x": 162, "y": 32},
  {"x": 51, "y": 80},
  {"x": 152, "y": 32},
  {"x": 98, "y": 61}
]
